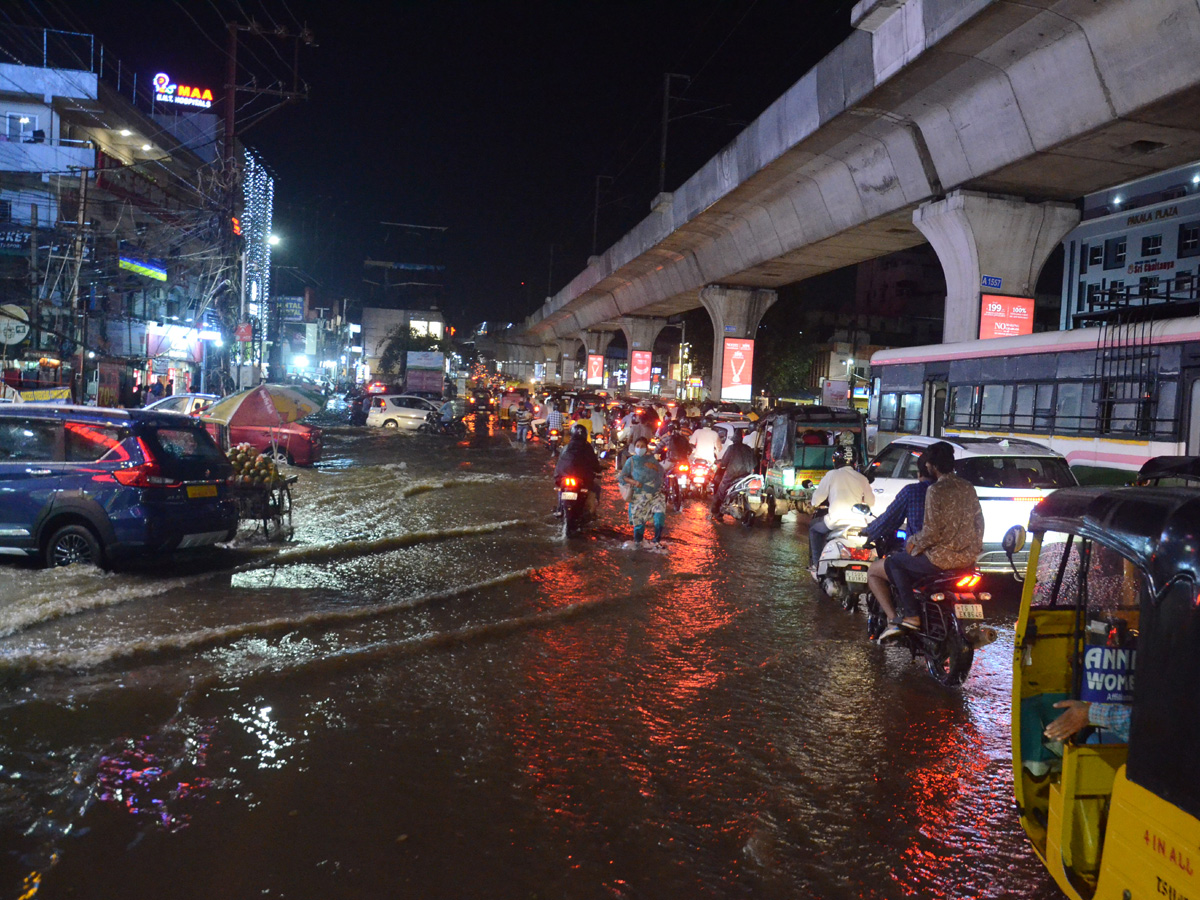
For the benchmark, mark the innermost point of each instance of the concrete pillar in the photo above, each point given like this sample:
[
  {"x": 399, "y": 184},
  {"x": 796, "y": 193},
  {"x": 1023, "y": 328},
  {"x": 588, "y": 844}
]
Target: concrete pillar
[
  {"x": 550, "y": 360},
  {"x": 640, "y": 334},
  {"x": 568, "y": 350},
  {"x": 596, "y": 341},
  {"x": 735, "y": 314},
  {"x": 1003, "y": 239}
]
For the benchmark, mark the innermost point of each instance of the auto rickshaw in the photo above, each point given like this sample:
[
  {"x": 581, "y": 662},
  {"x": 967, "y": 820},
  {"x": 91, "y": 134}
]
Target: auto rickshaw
[
  {"x": 802, "y": 442},
  {"x": 1110, "y": 616}
]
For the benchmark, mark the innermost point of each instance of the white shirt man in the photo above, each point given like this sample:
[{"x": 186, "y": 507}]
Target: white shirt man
[
  {"x": 707, "y": 444},
  {"x": 842, "y": 488}
]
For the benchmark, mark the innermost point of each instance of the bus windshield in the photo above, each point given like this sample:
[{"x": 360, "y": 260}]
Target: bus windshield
[{"x": 1015, "y": 471}]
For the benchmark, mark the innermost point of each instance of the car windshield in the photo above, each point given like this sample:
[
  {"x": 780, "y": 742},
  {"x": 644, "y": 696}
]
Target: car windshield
[{"x": 1015, "y": 471}]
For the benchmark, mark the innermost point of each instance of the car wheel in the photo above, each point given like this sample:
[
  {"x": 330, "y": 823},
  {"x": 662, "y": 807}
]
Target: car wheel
[
  {"x": 73, "y": 544},
  {"x": 390, "y": 423}
]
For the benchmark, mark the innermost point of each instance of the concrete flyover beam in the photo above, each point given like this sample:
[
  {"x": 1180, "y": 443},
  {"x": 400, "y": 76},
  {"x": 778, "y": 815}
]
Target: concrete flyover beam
[
  {"x": 735, "y": 314},
  {"x": 981, "y": 235}
]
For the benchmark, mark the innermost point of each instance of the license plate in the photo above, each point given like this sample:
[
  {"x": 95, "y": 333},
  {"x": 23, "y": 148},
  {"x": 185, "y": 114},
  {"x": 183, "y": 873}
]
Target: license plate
[
  {"x": 859, "y": 575},
  {"x": 571, "y": 495},
  {"x": 201, "y": 490},
  {"x": 968, "y": 610}
]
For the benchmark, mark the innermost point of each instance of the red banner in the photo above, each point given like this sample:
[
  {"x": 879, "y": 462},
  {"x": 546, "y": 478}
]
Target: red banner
[
  {"x": 595, "y": 369},
  {"x": 639, "y": 370},
  {"x": 737, "y": 372},
  {"x": 1001, "y": 316},
  {"x": 244, "y": 333}
]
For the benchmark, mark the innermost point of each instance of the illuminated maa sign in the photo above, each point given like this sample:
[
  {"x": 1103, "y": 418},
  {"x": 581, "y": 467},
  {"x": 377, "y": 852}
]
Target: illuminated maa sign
[{"x": 166, "y": 91}]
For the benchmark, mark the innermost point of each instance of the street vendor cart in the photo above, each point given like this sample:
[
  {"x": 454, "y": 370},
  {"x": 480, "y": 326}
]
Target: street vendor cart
[{"x": 268, "y": 505}]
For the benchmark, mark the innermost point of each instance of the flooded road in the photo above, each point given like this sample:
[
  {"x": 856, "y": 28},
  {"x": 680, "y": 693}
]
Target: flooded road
[{"x": 429, "y": 694}]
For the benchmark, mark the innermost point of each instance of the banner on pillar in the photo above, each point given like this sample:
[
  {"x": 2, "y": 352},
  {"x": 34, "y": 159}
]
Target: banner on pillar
[
  {"x": 737, "y": 371},
  {"x": 595, "y": 369},
  {"x": 639, "y": 370},
  {"x": 1003, "y": 316}
]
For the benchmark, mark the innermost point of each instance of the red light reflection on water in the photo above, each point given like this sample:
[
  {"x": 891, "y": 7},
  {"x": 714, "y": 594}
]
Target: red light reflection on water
[{"x": 144, "y": 776}]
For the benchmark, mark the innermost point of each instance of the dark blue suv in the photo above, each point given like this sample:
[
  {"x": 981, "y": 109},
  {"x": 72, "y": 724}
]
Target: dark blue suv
[{"x": 85, "y": 484}]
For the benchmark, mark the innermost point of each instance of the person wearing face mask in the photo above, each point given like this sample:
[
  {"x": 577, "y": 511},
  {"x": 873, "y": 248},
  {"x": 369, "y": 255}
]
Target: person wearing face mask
[{"x": 644, "y": 476}]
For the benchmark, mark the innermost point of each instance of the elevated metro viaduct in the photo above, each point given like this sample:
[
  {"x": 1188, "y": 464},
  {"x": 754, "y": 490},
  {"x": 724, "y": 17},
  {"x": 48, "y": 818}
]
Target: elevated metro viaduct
[{"x": 974, "y": 125}]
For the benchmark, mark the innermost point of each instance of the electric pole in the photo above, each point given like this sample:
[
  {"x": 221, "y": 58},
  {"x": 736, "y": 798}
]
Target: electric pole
[
  {"x": 596, "y": 210},
  {"x": 666, "y": 118}
]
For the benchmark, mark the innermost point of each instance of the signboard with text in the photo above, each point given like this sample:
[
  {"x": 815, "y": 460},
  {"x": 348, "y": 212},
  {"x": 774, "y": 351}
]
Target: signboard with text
[
  {"x": 639, "y": 370},
  {"x": 1001, "y": 316},
  {"x": 737, "y": 370},
  {"x": 595, "y": 369}
]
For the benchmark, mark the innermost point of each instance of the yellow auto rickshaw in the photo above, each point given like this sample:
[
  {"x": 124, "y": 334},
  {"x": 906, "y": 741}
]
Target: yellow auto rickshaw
[{"x": 1109, "y": 631}]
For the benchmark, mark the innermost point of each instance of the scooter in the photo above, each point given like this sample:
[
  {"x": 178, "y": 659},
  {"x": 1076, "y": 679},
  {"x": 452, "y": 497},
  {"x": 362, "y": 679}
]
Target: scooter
[
  {"x": 700, "y": 484},
  {"x": 842, "y": 568},
  {"x": 556, "y": 439},
  {"x": 952, "y": 623},
  {"x": 746, "y": 498},
  {"x": 433, "y": 424},
  {"x": 577, "y": 503}
]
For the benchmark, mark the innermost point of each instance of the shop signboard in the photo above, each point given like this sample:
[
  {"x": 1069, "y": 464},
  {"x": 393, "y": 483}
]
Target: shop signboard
[
  {"x": 639, "y": 370},
  {"x": 1003, "y": 316},
  {"x": 108, "y": 389},
  {"x": 291, "y": 309},
  {"x": 14, "y": 324},
  {"x": 737, "y": 371},
  {"x": 595, "y": 369}
]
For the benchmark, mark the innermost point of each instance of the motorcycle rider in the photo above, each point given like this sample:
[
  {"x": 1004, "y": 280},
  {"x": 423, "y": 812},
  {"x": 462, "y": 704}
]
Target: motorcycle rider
[
  {"x": 737, "y": 463},
  {"x": 951, "y": 537},
  {"x": 446, "y": 413},
  {"x": 579, "y": 459},
  {"x": 841, "y": 487},
  {"x": 677, "y": 448},
  {"x": 909, "y": 506},
  {"x": 706, "y": 443}
]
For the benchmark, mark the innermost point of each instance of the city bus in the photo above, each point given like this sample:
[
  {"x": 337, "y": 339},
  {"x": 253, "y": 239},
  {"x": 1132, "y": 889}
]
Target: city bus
[{"x": 1108, "y": 398}]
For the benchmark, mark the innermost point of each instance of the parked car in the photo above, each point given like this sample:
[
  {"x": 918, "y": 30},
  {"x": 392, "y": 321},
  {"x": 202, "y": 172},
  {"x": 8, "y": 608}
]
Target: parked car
[
  {"x": 92, "y": 485},
  {"x": 1010, "y": 477},
  {"x": 296, "y": 443},
  {"x": 399, "y": 411},
  {"x": 188, "y": 404}
]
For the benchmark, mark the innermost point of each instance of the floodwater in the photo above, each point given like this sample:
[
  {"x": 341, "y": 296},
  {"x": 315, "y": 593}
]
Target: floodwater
[{"x": 429, "y": 694}]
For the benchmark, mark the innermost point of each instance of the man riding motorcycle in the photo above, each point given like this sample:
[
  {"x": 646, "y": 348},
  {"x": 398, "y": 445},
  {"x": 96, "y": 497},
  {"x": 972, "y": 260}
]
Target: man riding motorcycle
[
  {"x": 706, "y": 443},
  {"x": 908, "y": 508},
  {"x": 841, "y": 487},
  {"x": 578, "y": 459},
  {"x": 737, "y": 463},
  {"x": 677, "y": 448},
  {"x": 951, "y": 538}
]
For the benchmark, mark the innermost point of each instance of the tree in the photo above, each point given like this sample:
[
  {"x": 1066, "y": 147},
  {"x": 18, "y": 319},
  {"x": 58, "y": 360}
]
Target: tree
[
  {"x": 785, "y": 370},
  {"x": 402, "y": 339}
]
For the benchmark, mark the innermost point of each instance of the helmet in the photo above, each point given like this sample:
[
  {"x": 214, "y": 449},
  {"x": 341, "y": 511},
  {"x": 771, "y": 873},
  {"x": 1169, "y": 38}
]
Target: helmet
[
  {"x": 843, "y": 455},
  {"x": 674, "y": 428},
  {"x": 579, "y": 431}
]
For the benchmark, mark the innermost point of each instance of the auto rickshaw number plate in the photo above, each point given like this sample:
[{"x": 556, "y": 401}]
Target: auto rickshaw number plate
[{"x": 968, "y": 610}]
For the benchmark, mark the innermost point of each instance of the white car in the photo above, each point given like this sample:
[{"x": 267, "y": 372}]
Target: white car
[
  {"x": 726, "y": 429},
  {"x": 188, "y": 404},
  {"x": 1010, "y": 477},
  {"x": 404, "y": 411}
]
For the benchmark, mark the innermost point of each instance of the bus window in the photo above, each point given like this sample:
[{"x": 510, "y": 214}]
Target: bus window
[
  {"x": 1069, "y": 407},
  {"x": 889, "y": 405},
  {"x": 995, "y": 408},
  {"x": 1164, "y": 743},
  {"x": 1023, "y": 415},
  {"x": 910, "y": 414},
  {"x": 962, "y": 405}
]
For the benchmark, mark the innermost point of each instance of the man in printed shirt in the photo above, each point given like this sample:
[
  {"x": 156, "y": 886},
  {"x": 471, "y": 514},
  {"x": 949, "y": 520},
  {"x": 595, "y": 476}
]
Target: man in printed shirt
[{"x": 952, "y": 537}]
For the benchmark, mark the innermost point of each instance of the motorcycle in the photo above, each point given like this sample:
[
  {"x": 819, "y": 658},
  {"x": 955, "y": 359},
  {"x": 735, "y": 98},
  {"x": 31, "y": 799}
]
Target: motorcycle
[
  {"x": 842, "y": 568},
  {"x": 677, "y": 482},
  {"x": 952, "y": 623},
  {"x": 577, "y": 502},
  {"x": 434, "y": 424},
  {"x": 746, "y": 498},
  {"x": 556, "y": 439}
]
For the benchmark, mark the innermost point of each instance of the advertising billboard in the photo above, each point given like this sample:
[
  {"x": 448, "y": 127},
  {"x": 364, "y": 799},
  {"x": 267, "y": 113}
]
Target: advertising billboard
[
  {"x": 595, "y": 369},
  {"x": 639, "y": 370},
  {"x": 737, "y": 370},
  {"x": 1001, "y": 316}
]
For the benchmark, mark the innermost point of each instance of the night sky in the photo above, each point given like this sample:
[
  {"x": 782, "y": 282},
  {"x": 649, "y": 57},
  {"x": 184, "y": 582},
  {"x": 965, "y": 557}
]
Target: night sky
[{"x": 491, "y": 119}]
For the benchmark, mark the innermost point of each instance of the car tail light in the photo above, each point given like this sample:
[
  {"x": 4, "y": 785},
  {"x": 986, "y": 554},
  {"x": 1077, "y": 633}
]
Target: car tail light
[
  {"x": 145, "y": 475},
  {"x": 967, "y": 582}
]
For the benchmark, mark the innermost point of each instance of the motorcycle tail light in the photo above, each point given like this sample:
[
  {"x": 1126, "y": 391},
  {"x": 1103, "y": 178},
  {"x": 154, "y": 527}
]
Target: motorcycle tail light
[
  {"x": 858, "y": 553},
  {"x": 683, "y": 468},
  {"x": 967, "y": 582},
  {"x": 938, "y": 597},
  {"x": 568, "y": 482}
]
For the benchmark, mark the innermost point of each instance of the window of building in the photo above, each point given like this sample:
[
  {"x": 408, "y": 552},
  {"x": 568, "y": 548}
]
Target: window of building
[
  {"x": 1189, "y": 239},
  {"x": 20, "y": 126},
  {"x": 1093, "y": 294},
  {"x": 1152, "y": 245},
  {"x": 1095, "y": 254},
  {"x": 1114, "y": 252},
  {"x": 1148, "y": 284}
]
